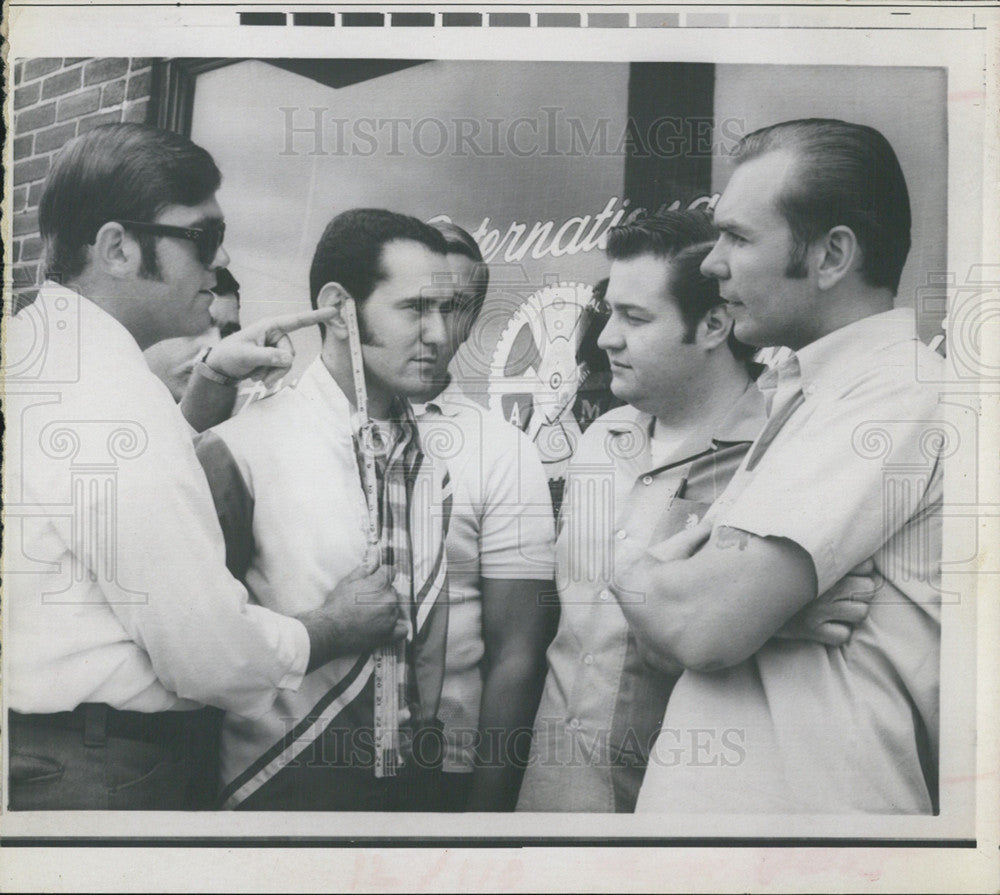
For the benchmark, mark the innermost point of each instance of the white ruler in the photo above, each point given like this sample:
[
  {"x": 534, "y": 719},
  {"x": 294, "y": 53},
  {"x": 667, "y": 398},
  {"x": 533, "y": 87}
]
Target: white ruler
[{"x": 387, "y": 658}]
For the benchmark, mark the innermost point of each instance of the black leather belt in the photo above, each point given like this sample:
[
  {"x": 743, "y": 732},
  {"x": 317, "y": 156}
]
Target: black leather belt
[{"x": 97, "y": 721}]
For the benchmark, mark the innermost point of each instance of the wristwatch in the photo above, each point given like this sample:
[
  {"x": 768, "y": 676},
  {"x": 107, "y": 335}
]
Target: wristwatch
[{"x": 203, "y": 369}]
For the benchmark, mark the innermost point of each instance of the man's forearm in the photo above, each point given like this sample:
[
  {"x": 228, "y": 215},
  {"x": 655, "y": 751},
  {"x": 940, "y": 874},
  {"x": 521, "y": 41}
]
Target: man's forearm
[
  {"x": 717, "y": 607},
  {"x": 511, "y": 693},
  {"x": 206, "y": 403}
]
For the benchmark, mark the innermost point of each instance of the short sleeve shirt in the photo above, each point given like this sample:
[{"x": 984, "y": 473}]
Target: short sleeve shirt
[
  {"x": 501, "y": 527},
  {"x": 848, "y": 469},
  {"x": 602, "y": 705}
]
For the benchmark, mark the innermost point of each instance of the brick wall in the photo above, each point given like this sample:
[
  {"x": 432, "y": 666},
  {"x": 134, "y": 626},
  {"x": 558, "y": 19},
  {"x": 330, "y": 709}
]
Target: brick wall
[{"x": 54, "y": 100}]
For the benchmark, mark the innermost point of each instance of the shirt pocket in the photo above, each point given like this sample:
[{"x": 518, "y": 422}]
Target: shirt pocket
[{"x": 680, "y": 515}]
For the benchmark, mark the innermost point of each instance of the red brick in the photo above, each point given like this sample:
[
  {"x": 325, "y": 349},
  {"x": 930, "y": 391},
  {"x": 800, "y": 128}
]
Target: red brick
[
  {"x": 113, "y": 93},
  {"x": 26, "y": 222},
  {"x": 31, "y": 249},
  {"x": 26, "y": 94},
  {"x": 136, "y": 112},
  {"x": 55, "y": 137},
  {"x": 93, "y": 121},
  {"x": 19, "y": 199},
  {"x": 35, "y": 194},
  {"x": 80, "y": 104},
  {"x": 22, "y": 146},
  {"x": 15, "y": 251},
  {"x": 62, "y": 83},
  {"x": 30, "y": 169},
  {"x": 32, "y": 119},
  {"x": 74, "y": 60},
  {"x": 141, "y": 62},
  {"x": 139, "y": 85},
  {"x": 35, "y": 68},
  {"x": 18, "y": 72},
  {"x": 104, "y": 70}
]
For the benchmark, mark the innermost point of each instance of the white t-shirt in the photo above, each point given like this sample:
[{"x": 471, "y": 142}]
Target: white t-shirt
[{"x": 501, "y": 527}]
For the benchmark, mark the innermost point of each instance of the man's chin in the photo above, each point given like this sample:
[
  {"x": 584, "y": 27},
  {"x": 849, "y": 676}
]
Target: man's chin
[
  {"x": 428, "y": 388},
  {"x": 620, "y": 390}
]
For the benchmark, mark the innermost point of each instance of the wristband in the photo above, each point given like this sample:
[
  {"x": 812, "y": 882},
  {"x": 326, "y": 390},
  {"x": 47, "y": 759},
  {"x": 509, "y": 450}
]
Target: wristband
[{"x": 203, "y": 369}]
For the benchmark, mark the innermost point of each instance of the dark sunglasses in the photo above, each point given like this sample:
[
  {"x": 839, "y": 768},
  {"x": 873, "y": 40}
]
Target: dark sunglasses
[{"x": 207, "y": 239}]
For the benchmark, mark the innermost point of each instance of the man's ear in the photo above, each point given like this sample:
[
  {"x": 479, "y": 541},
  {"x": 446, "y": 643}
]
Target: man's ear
[
  {"x": 714, "y": 327},
  {"x": 839, "y": 254},
  {"x": 116, "y": 252},
  {"x": 332, "y": 295}
]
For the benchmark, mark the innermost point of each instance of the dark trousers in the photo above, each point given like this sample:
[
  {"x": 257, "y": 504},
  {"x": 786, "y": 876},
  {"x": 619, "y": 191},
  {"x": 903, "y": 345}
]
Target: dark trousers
[
  {"x": 98, "y": 758},
  {"x": 346, "y": 789},
  {"x": 455, "y": 791},
  {"x": 327, "y": 777}
]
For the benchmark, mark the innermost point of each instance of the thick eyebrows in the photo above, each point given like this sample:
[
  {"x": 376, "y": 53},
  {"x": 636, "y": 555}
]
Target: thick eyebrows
[{"x": 624, "y": 307}]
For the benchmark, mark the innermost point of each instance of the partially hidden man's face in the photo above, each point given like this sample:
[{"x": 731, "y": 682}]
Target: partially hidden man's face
[
  {"x": 645, "y": 334},
  {"x": 406, "y": 322},
  {"x": 462, "y": 316},
  {"x": 173, "y": 360},
  {"x": 752, "y": 255},
  {"x": 178, "y": 296}
]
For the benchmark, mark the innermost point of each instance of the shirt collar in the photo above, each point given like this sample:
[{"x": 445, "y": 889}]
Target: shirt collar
[
  {"x": 854, "y": 346},
  {"x": 317, "y": 384},
  {"x": 743, "y": 423},
  {"x": 448, "y": 402},
  {"x": 96, "y": 326}
]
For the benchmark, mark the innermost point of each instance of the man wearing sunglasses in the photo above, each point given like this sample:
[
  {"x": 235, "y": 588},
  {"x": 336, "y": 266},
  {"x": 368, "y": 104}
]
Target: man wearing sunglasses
[
  {"x": 123, "y": 621},
  {"x": 174, "y": 360}
]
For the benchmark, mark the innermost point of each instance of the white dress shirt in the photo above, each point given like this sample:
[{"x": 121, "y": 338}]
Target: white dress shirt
[{"x": 116, "y": 584}]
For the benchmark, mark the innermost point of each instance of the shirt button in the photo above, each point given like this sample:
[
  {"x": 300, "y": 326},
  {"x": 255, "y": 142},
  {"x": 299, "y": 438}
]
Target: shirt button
[
  {"x": 574, "y": 723},
  {"x": 647, "y": 480},
  {"x": 588, "y": 659},
  {"x": 605, "y": 595},
  {"x": 621, "y": 534}
]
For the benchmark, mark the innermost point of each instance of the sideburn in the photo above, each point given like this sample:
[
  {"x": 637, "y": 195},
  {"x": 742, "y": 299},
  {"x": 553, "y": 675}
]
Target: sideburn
[{"x": 364, "y": 332}]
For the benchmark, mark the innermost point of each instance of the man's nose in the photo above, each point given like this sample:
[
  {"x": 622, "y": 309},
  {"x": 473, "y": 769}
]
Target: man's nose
[
  {"x": 433, "y": 328},
  {"x": 221, "y": 258},
  {"x": 609, "y": 337},
  {"x": 714, "y": 264}
]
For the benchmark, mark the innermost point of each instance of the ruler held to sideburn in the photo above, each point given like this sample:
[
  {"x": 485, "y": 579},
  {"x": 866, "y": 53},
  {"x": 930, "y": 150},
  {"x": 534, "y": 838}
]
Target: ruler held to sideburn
[{"x": 388, "y": 658}]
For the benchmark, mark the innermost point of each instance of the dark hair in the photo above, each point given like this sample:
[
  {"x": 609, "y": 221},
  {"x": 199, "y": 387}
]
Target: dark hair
[
  {"x": 845, "y": 175},
  {"x": 350, "y": 250},
  {"x": 117, "y": 171},
  {"x": 460, "y": 242},
  {"x": 683, "y": 239}
]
